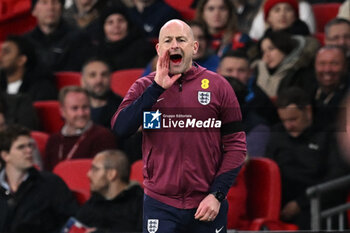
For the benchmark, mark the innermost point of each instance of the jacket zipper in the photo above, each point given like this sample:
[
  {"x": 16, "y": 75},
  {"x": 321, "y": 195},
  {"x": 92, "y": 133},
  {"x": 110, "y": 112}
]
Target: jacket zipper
[{"x": 180, "y": 84}]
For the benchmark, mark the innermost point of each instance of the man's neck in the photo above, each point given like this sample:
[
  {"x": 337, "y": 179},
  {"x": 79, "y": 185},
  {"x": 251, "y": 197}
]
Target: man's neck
[
  {"x": 97, "y": 103},
  {"x": 48, "y": 29},
  {"x": 15, "y": 75},
  {"x": 69, "y": 130},
  {"x": 14, "y": 177},
  {"x": 115, "y": 189},
  {"x": 140, "y": 6}
]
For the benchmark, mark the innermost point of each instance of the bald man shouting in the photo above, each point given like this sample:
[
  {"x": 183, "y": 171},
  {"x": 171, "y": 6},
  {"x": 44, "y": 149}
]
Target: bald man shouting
[{"x": 193, "y": 145}]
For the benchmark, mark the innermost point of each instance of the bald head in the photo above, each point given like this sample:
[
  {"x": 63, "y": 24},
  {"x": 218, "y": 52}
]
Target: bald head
[
  {"x": 176, "y": 23},
  {"x": 116, "y": 159}
]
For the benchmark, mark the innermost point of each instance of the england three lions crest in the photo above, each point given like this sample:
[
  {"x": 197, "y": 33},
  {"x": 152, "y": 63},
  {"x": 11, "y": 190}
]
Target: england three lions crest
[
  {"x": 152, "y": 225},
  {"x": 204, "y": 97}
]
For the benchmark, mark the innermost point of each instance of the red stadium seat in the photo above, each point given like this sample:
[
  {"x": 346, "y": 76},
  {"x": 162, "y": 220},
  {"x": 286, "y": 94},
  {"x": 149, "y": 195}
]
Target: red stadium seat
[
  {"x": 123, "y": 79},
  {"x": 324, "y": 12},
  {"x": 15, "y": 17},
  {"x": 67, "y": 78},
  {"x": 81, "y": 196},
  {"x": 74, "y": 173},
  {"x": 263, "y": 202},
  {"x": 177, "y": 5},
  {"x": 49, "y": 115},
  {"x": 136, "y": 173},
  {"x": 187, "y": 13},
  {"x": 41, "y": 140}
]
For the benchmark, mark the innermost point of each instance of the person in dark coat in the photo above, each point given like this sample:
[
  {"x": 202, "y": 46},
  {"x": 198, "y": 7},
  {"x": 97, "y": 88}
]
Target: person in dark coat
[
  {"x": 57, "y": 44},
  {"x": 30, "y": 201},
  {"x": 121, "y": 43},
  {"x": 143, "y": 14},
  {"x": 300, "y": 151},
  {"x": 19, "y": 109},
  {"x": 21, "y": 72},
  {"x": 332, "y": 84},
  {"x": 95, "y": 79},
  {"x": 116, "y": 204}
]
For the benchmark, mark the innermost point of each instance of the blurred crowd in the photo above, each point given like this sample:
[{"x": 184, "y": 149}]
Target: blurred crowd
[{"x": 291, "y": 80}]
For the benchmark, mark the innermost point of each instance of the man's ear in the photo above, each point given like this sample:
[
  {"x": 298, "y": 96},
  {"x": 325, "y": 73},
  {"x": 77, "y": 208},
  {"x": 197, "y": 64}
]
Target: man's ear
[
  {"x": 112, "y": 174},
  {"x": 34, "y": 12},
  {"x": 308, "y": 109},
  {"x": 22, "y": 60},
  {"x": 4, "y": 155},
  {"x": 157, "y": 48},
  {"x": 195, "y": 47}
]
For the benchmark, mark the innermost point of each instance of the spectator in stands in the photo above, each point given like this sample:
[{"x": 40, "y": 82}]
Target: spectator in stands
[
  {"x": 121, "y": 40},
  {"x": 300, "y": 152},
  {"x": 246, "y": 12},
  {"x": 205, "y": 56},
  {"x": 143, "y": 15},
  {"x": 30, "y": 201},
  {"x": 79, "y": 137},
  {"x": 220, "y": 18},
  {"x": 18, "y": 109},
  {"x": 21, "y": 73},
  {"x": 330, "y": 70},
  {"x": 84, "y": 13},
  {"x": 337, "y": 32},
  {"x": 344, "y": 10},
  {"x": 58, "y": 45},
  {"x": 95, "y": 79},
  {"x": 294, "y": 16},
  {"x": 116, "y": 204},
  {"x": 235, "y": 64},
  {"x": 286, "y": 61}
]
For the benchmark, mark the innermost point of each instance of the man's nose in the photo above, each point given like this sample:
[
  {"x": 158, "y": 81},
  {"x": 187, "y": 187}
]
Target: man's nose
[
  {"x": 342, "y": 41},
  {"x": 234, "y": 73},
  {"x": 327, "y": 67},
  {"x": 174, "y": 44}
]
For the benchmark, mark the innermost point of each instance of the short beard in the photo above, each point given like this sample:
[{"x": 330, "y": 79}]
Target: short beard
[
  {"x": 103, "y": 96},
  {"x": 10, "y": 70}
]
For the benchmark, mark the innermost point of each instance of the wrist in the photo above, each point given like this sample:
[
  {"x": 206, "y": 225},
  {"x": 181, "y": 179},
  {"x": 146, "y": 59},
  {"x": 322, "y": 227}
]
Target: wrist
[{"x": 220, "y": 196}]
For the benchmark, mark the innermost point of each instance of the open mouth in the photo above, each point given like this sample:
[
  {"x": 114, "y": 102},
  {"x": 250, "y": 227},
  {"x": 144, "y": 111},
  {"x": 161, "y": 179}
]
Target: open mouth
[{"x": 176, "y": 58}]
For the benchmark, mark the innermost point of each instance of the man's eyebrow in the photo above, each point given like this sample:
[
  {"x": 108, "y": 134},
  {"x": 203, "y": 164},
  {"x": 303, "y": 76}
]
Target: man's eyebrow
[{"x": 177, "y": 37}]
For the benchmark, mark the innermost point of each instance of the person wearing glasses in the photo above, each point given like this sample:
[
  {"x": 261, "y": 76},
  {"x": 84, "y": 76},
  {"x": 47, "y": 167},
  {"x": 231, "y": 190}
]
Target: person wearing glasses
[
  {"x": 30, "y": 200},
  {"x": 116, "y": 203}
]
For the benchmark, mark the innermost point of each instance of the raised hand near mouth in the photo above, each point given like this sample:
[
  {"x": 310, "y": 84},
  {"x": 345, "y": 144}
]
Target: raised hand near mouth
[{"x": 162, "y": 77}]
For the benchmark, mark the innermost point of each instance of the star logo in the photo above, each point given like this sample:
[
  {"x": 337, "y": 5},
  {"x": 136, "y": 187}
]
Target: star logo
[
  {"x": 156, "y": 115},
  {"x": 151, "y": 120}
]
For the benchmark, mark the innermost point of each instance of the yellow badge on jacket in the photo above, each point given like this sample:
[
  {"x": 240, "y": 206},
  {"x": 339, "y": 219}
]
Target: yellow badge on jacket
[{"x": 205, "y": 83}]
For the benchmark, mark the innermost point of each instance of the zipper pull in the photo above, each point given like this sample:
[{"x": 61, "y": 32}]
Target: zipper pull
[{"x": 180, "y": 84}]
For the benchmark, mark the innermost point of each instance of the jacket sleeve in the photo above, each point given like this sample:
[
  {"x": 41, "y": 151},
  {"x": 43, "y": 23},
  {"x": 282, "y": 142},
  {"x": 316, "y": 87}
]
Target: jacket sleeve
[
  {"x": 233, "y": 141},
  {"x": 139, "y": 98}
]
